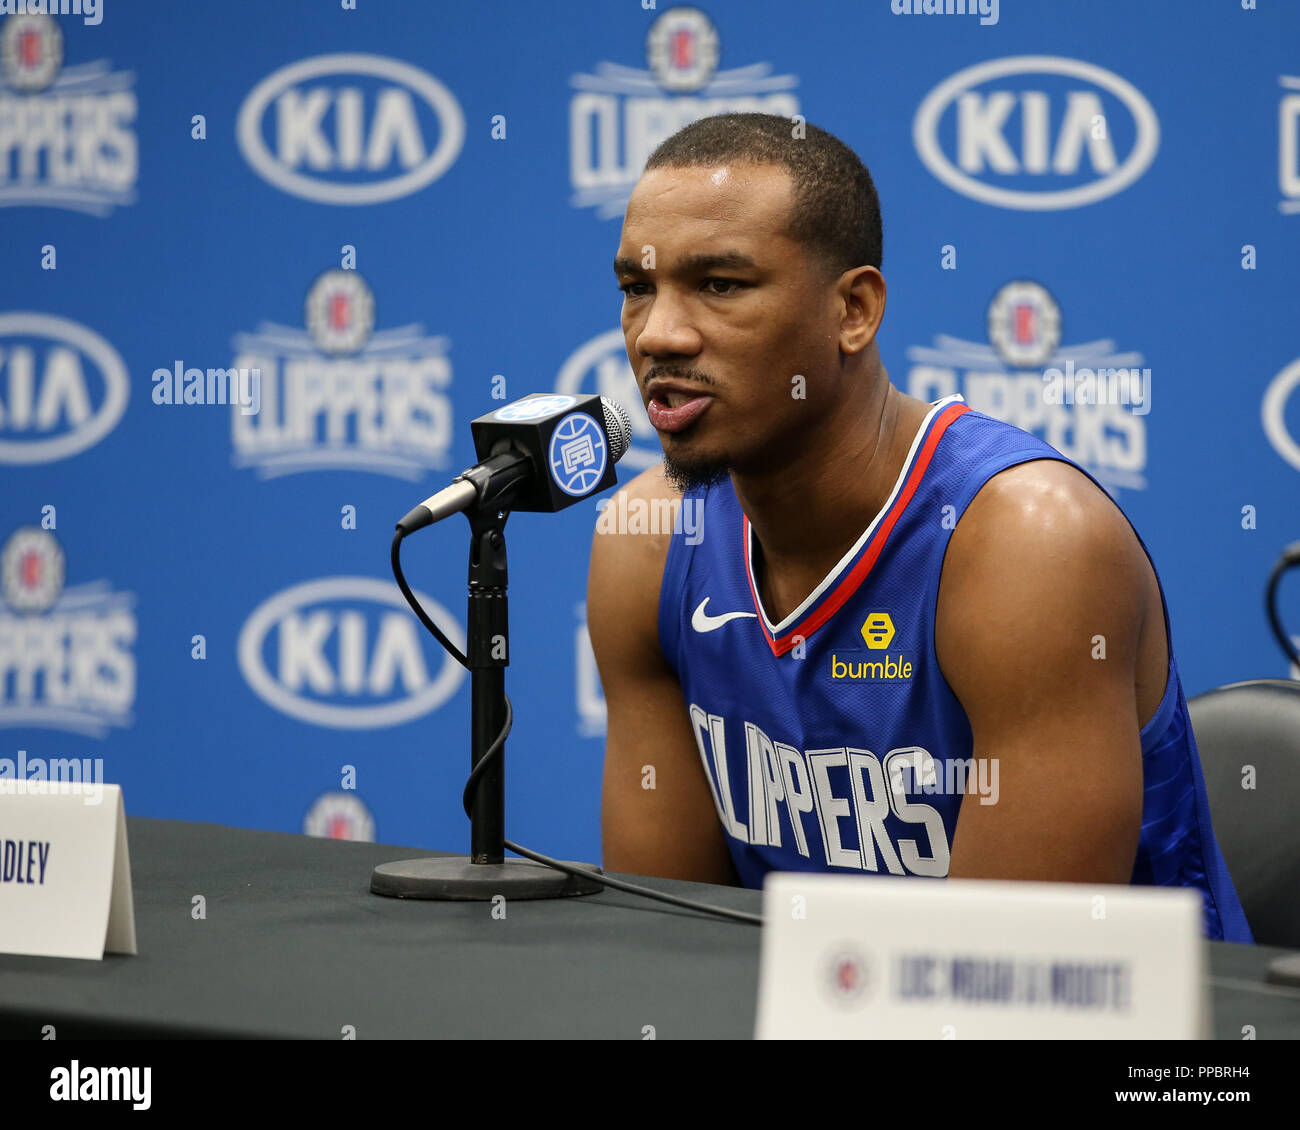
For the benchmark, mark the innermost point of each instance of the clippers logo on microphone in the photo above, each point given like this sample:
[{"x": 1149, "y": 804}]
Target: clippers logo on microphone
[
  {"x": 572, "y": 455},
  {"x": 341, "y": 395},
  {"x": 578, "y": 453}
]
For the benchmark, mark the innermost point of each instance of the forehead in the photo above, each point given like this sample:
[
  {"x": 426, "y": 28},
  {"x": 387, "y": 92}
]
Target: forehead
[{"x": 702, "y": 202}]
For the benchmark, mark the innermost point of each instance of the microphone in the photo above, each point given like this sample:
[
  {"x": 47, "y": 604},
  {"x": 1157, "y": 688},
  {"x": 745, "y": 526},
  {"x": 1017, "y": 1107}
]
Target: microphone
[{"x": 540, "y": 454}]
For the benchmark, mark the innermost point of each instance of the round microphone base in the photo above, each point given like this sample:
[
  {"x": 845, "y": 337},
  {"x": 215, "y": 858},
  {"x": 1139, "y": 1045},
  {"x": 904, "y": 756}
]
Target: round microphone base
[{"x": 455, "y": 878}]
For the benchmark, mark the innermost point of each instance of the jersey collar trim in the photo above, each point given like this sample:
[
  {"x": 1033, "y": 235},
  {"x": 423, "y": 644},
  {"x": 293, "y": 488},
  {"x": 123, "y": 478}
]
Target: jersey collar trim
[{"x": 847, "y": 576}]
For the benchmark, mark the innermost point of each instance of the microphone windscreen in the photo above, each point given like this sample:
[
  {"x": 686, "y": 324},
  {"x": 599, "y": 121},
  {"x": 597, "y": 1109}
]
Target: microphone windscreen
[{"x": 618, "y": 426}]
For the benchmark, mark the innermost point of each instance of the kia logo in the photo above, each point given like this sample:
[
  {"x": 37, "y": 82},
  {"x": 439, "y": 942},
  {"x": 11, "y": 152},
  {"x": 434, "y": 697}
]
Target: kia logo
[
  {"x": 1059, "y": 134},
  {"x": 1274, "y": 413},
  {"x": 329, "y": 131},
  {"x": 64, "y": 388},
  {"x": 346, "y": 652}
]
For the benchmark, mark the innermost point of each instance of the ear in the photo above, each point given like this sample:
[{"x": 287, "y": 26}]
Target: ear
[{"x": 862, "y": 292}]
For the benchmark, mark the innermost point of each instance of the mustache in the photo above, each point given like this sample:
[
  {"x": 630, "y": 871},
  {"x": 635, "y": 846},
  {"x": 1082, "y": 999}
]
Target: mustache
[{"x": 672, "y": 373}]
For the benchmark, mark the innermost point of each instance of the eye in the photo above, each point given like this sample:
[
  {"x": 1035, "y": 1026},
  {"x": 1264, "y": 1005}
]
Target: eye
[
  {"x": 628, "y": 288},
  {"x": 735, "y": 283}
]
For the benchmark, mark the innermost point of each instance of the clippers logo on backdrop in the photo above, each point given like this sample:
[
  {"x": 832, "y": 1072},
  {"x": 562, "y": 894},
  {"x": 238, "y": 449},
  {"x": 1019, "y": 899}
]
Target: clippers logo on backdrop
[
  {"x": 66, "y": 659},
  {"x": 346, "y": 653},
  {"x": 66, "y": 133},
  {"x": 1288, "y": 146},
  {"x": 1036, "y": 132},
  {"x": 350, "y": 129},
  {"x": 1097, "y": 423},
  {"x": 339, "y": 816},
  {"x": 1281, "y": 413},
  {"x": 621, "y": 113},
  {"x": 63, "y": 388},
  {"x": 340, "y": 395}
]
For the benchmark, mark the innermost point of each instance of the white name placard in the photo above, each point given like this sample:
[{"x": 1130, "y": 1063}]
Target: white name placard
[
  {"x": 847, "y": 956},
  {"x": 65, "y": 876}
]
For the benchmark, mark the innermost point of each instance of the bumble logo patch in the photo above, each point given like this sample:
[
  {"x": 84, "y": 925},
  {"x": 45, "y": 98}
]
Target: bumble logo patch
[
  {"x": 878, "y": 631},
  {"x": 851, "y": 664}
]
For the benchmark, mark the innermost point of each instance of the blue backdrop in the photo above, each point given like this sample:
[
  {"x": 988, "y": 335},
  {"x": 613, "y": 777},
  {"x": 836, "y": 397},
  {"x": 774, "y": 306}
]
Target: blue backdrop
[{"x": 402, "y": 214}]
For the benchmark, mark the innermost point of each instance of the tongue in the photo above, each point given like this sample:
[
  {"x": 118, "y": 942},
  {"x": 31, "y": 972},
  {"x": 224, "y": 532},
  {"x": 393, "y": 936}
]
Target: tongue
[{"x": 669, "y": 416}]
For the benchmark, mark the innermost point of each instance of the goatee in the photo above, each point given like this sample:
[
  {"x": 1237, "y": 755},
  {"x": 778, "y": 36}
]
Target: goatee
[{"x": 688, "y": 475}]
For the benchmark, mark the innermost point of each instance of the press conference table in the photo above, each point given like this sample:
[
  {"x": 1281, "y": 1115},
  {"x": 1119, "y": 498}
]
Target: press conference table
[{"x": 294, "y": 945}]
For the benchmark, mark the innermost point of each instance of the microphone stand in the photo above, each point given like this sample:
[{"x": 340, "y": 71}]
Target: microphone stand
[{"x": 485, "y": 872}]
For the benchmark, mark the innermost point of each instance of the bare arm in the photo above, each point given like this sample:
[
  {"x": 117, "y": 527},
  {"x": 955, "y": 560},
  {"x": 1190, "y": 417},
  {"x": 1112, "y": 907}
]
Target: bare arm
[
  {"x": 670, "y": 829},
  {"x": 1045, "y": 580}
]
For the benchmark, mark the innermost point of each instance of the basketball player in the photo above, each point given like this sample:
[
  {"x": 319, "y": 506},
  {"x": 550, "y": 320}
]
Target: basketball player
[{"x": 907, "y": 638}]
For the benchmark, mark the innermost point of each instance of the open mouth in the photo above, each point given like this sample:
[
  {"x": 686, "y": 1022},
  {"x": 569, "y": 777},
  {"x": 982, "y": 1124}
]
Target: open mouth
[
  {"x": 674, "y": 397},
  {"x": 671, "y": 410}
]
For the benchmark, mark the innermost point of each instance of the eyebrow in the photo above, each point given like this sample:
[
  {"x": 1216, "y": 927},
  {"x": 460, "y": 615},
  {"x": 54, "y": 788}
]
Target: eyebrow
[{"x": 692, "y": 264}]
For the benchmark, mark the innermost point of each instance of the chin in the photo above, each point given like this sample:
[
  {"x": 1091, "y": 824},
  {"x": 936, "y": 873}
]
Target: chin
[{"x": 692, "y": 472}]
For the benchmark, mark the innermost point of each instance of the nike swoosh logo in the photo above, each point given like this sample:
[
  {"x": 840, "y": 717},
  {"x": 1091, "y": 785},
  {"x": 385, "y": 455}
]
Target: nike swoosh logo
[{"x": 701, "y": 621}]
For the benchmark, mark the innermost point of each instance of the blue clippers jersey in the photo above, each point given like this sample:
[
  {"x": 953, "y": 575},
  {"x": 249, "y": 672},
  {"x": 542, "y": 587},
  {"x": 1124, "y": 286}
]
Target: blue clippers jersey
[{"x": 854, "y": 757}]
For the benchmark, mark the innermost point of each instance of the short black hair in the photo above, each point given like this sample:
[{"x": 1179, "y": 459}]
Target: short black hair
[{"x": 835, "y": 213}]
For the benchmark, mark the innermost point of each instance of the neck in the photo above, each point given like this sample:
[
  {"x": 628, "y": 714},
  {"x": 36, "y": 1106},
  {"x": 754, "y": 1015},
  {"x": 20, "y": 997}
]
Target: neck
[{"x": 809, "y": 511}]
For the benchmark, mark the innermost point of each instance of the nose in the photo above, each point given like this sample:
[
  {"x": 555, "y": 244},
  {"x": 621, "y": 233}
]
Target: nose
[{"x": 667, "y": 329}]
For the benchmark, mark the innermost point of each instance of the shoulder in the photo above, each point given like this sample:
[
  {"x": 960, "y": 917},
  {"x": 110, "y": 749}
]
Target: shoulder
[
  {"x": 1041, "y": 564},
  {"x": 1040, "y": 614},
  {"x": 629, "y": 549},
  {"x": 1044, "y": 507},
  {"x": 636, "y": 522}
]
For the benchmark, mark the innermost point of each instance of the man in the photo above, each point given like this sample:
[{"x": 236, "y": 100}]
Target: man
[{"x": 912, "y": 639}]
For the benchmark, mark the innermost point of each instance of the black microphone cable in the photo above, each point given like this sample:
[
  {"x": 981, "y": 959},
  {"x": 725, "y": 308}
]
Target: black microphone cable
[
  {"x": 1289, "y": 559},
  {"x": 494, "y": 750}
]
